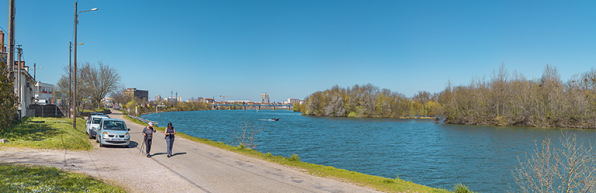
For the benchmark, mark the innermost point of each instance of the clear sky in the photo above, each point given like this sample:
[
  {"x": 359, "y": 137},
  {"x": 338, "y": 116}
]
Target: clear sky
[{"x": 290, "y": 49}]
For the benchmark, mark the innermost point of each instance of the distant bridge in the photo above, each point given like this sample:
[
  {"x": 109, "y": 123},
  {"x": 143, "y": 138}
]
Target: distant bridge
[{"x": 238, "y": 106}]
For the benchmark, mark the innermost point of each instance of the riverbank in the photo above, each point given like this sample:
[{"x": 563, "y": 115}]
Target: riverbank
[{"x": 379, "y": 183}]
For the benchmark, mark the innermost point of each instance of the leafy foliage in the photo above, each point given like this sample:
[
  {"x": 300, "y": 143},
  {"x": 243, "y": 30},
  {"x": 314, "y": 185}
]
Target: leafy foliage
[
  {"x": 461, "y": 188},
  {"x": 370, "y": 101},
  {"x": 8, "y": 108},
  {"x": 294, "y": 158}
]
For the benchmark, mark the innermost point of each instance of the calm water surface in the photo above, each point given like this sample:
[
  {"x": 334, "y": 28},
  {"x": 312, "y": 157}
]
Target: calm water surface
[{"x": 436, "y": 155}]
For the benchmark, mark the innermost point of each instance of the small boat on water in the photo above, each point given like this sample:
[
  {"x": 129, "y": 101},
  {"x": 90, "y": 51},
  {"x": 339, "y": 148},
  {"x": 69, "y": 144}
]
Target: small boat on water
[{"x": 273, "y": 119}]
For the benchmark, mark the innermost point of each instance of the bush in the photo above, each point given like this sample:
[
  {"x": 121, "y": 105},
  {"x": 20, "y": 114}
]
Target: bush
[
  {"x": 461, "y": 188},
  {"x": 352, "y": 114},
  {"x": 241, "y": 146},
  {"x": 294, "y": 158}
]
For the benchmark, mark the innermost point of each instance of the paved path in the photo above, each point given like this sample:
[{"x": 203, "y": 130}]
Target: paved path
[{"x": 195, "y": 167}]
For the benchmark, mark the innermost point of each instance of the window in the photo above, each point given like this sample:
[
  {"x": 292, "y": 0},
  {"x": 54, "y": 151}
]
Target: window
[{"x": 114, "y": 125}]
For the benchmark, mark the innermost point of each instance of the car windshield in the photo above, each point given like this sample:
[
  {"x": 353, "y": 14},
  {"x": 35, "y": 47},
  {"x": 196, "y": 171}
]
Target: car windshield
[
  {"x": 114, "y": 125},
  {"x": 96, "y": 120}
]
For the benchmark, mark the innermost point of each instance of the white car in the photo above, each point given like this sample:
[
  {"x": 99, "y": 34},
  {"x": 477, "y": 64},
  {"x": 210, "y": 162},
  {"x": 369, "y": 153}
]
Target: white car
[
  {"x": 112, "y": 132},
  {"x": 93, "y": 123}
]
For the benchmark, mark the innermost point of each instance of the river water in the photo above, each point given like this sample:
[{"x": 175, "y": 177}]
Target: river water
[{"x": 435, "y": 155}]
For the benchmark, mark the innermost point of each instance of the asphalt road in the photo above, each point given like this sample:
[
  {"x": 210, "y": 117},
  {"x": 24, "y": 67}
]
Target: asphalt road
[{"x": 194, "y": 167}]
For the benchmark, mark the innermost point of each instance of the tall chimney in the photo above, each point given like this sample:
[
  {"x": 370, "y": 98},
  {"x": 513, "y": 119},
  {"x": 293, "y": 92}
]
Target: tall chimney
[{"x": 3, "y": 49}]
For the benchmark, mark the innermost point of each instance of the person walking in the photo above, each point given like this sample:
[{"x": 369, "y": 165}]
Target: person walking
[
  {"x": 148, "y": 134},
  {"x": 170, "y": 132}
]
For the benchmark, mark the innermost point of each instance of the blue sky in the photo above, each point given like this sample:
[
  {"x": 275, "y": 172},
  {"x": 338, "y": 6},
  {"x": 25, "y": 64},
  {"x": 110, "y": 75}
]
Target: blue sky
[{"x": 291, "y": 49}]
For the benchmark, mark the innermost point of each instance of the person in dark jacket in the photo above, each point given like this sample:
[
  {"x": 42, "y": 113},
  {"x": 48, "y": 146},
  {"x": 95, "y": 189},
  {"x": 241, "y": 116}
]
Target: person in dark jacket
[
  {"x": 170, "y": 132},
  {"x": 148, "y": 134}
]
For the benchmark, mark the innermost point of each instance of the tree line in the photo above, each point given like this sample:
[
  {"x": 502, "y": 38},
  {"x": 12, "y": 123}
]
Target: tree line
[
  {"x": 369, "y": 101},
  {"x": 506, "y": 99},
  {"x": 512, "y": 99}
]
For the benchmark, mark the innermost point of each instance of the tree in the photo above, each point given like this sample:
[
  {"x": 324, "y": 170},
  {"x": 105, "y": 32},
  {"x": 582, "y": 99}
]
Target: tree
[
  {"x": 8, "y": 108},
  {"x": 554, "y": 168},
  {"x": 101, "y": 81},
  {"x": 93, "y": 83},
  {"x": 121, "y": 96},
  {"x": 296, "y": 107}
]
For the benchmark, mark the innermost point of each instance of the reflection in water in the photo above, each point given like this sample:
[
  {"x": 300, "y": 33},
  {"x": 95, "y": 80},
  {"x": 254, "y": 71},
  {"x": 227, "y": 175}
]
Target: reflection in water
[{"x": 436, "y": 155}]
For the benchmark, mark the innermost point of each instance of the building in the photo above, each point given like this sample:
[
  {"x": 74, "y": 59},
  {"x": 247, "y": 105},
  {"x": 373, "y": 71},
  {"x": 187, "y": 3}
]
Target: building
[
  {"x": 44, "y": 93},
  {"x": 171, "y": 99},
  {"x": 179, "y": 98},
  {"x": 292, "y": 101},
  {"x": 237, "y": 101},
  {"x": 264, "y": 98},
  {"x": 140, "y": 94},
  {"x": 26, "y": 88},
  {"x": 209, "y": 100},
  {"x": 157, "y": 98}
]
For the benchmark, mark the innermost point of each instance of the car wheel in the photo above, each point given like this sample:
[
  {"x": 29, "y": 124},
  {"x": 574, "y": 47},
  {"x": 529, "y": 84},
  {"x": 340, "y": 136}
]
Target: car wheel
[
  {"x": 101, "y": 144},
  {"x": 90, "y": 137}
]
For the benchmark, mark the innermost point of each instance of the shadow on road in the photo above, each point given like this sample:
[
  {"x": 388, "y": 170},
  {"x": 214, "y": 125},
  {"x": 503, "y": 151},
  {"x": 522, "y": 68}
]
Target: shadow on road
[
  {"x": 181, "y": 153},
  {"x": 133, "y": 144}
]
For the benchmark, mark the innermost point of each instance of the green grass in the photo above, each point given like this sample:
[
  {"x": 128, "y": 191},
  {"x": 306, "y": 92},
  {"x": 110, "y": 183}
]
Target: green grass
[
  {"x": 376, "y": 182},
  {"x": 14, "y": 178},
  {"x": 47, "y": 133}
]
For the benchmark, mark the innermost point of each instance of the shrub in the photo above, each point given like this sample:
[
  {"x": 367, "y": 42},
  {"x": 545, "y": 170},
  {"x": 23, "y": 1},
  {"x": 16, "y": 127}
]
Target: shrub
[
  {"x": 294, "y": 158},
  {"x": 461, "y": 188},
  {"x": 352, "y": 114},
  {"x": 388, "y": 181},
  {"x": 268, "y": 155},
  {"x": 241, "y": 146}
]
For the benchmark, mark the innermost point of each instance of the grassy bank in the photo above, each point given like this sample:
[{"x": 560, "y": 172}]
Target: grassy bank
[
  {"x": 47, "y": 133},
  {"x": 376, "y": 182},
  {"x": 15, "y": 178}
]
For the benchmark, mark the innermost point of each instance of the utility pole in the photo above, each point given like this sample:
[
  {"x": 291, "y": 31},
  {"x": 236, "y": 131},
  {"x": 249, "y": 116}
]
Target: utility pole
[
  {"x": 74, "y": 97},
  {"x": 10, "y": 51},
  {"x": 69, "y": 79}
]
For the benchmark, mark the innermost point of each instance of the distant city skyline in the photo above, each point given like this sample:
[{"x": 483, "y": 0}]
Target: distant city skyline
[{"x": 290, "y": 49}]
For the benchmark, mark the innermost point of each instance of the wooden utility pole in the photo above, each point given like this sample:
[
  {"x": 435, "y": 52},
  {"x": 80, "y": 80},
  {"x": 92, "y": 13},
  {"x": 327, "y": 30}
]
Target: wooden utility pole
[
  {"x": 74, "y": 97},
  {"x": 69, "y": 79},
  {"x": 10, "y": 51}
]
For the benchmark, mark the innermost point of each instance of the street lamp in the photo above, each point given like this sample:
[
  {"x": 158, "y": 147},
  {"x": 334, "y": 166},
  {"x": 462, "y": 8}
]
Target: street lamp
[{"x": 74, "y": 97}]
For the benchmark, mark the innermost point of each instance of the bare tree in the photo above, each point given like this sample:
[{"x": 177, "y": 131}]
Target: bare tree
[
  {"x": 92, "y": 83},
  {"x": 247, "y": 134},
  {"x": 101, "y": 81},
  {"x": 554, "y": 168}
]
